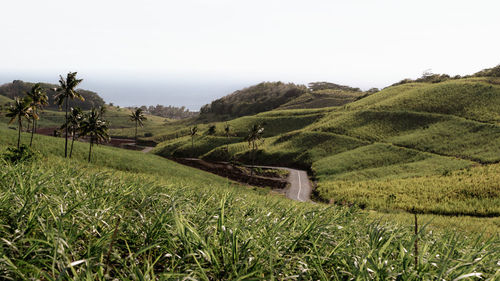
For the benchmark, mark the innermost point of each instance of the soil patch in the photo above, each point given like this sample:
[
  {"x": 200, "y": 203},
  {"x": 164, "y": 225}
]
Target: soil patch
[{"x": 236, "y": 173}]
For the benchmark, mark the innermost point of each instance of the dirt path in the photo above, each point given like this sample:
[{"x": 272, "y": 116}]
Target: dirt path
[
  {"x": 147, "y": 149},
  {"x": 300, "y": 187}
]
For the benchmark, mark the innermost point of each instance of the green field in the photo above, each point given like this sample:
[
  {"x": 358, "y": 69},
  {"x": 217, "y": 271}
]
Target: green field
[
  {"x": 4, "y": 100},
  {"x": 399, "y": 149},
  {"x": 58, "y": 218},
  {"x": 118, "y": 118}
]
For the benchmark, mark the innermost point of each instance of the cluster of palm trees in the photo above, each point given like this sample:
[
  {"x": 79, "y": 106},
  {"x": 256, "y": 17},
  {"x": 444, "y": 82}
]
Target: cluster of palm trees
[
  {"x": 77, "y": 123},
  {"x": 27, "y": 108}
]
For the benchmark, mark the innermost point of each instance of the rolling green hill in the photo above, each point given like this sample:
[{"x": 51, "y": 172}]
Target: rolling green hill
[
  {"x": 323, "y": 98},
  {"x": 377, "y": 151},
  {"x": 267, "y": 96},
  {"x": 129, "y": 215},
  {"x": 5, "y": 100}
]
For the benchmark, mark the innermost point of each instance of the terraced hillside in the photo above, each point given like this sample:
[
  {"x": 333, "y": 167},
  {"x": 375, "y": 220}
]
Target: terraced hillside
[
  {"x": 389, "y": 147},
  {"x": 323, "y": 98}
]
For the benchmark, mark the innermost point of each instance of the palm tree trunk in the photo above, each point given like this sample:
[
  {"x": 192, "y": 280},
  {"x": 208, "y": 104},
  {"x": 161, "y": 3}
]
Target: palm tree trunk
[
  {"x": 135, "y": 132},
  {"x": 253, "y": 157},
  {"x": 19, "y": 133},
  {"x": 90, "y": 148},
  {"x": 72, "y": 142},
  {"x": 66, "y": 142},
  {"x": 32, "y": 132}
]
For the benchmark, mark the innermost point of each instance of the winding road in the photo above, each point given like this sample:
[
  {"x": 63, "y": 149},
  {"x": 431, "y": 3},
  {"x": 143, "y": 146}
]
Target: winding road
[{"x": 300, "y": 188}]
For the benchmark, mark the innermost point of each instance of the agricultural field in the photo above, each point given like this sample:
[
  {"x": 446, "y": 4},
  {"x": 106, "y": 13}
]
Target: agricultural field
[
  {"x": 127, "y": 215},
  {"x": 323, "y": 98},
  {"x": 432, "y": 148}
]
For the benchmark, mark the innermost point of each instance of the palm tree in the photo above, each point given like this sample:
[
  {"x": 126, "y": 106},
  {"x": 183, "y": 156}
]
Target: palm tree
[
  {"x": 227, "y": 129},
  {"x": 21, "y": 108},
  {"x": 137, "y": 116},
  {"x": 74, "y": 121},
  {"x": 38, "y": 100},
  {"x": 95, "y": 127},
  {"x": 212, "y": 129},
  {"x": 192, "y": 133},
  {"x": 67, "y": 91},
  {"x": 254, "y": 136}
]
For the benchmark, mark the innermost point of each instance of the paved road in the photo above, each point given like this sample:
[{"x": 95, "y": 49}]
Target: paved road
[
  {"x": 147, "y": 149},
  {"x": 300, "y": 187}
]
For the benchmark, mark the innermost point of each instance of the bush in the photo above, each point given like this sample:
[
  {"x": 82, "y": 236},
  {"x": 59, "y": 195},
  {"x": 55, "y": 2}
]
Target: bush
[
  {"x": 23, "y": 154},
  {"x": 147, "y": 135}
]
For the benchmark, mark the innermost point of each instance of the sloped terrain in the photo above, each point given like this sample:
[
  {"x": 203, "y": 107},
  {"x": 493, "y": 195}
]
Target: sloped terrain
[
  {"x": 400, "y": 135},
  {"x": 129, "y": 215}
]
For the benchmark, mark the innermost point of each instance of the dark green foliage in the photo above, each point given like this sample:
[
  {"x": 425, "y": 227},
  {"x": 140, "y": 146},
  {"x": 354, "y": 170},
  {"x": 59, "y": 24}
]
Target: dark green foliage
[
  {"x": 211, "y": 130},
  {"x": 170, "y": 111},
  {"x": 489, "y": 72},
  {"x": 427, "y": 78},
  {"x": 22, "y": 154},
  {"x": 316, "y": 86},
  {"x": 18, "y": 88},
  {"x": 262, "y": 97}
]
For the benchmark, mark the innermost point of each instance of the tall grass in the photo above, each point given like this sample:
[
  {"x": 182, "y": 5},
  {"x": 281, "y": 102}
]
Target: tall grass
[{"x": 58, "y": 220}]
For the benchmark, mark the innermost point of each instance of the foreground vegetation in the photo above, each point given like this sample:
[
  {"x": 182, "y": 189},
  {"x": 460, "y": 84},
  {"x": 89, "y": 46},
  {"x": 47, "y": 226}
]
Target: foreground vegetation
[{"x": 132, "y": 216}]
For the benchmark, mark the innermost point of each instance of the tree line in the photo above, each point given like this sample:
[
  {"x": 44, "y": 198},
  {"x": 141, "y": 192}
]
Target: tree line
[
  {"x": 18, "y": 88},
  {"x": 170, "y": 111},
  {"x": 77, "y": 123}
]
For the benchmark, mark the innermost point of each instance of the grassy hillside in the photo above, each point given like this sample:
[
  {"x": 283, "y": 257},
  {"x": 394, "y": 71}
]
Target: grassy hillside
[
  {"x": 258, "y": 98},
  {"x": 134, "y": 216},
  {"x": 322, "y": 98},
  {"x": 471, "y": 98},
  {"x": 5, "y": 100},
  {"x": 385, "y": 150}
]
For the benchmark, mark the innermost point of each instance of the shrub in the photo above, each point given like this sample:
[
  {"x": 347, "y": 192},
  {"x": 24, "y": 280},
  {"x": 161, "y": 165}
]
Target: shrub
[{"x": 23, "y": 154}]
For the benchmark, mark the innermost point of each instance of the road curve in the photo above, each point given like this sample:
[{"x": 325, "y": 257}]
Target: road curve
[
  {"x": 147, "y": 149},
  {"x": 300, "y": 188}
]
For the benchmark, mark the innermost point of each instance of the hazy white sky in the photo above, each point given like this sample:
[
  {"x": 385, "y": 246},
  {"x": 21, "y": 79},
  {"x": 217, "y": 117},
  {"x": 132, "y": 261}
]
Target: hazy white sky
[{"x": 192, "y": 51}]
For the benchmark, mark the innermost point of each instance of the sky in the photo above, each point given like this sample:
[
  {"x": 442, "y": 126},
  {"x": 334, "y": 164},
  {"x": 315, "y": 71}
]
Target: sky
[{"x": 190, "y": 52}]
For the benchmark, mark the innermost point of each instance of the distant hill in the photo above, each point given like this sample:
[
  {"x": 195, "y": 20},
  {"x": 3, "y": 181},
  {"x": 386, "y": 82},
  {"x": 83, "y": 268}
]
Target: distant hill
[
  {"x": 19, "y": 88},
  {"x": 252, "y": 100},
  {"x": 267, "y": 96}
]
